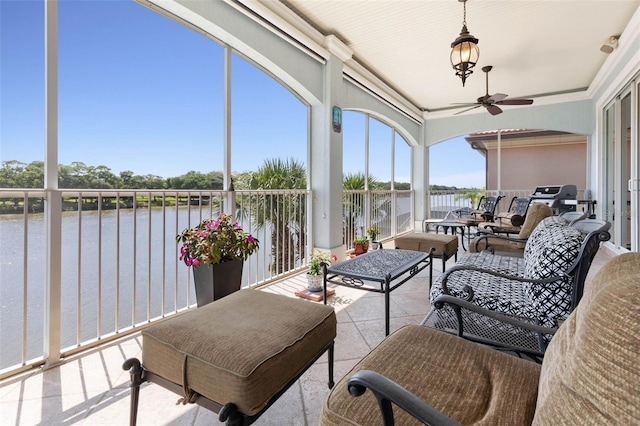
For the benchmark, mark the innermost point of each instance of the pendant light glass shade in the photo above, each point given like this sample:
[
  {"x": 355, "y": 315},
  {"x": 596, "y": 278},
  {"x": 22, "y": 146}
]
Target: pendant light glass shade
[{"x": 464, "y": 51}]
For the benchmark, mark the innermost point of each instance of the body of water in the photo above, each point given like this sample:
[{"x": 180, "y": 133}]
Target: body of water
[{"x": 117, "y": 270}]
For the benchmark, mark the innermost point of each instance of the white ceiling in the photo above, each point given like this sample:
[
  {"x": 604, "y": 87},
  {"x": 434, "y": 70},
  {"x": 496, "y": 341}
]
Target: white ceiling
[{"x": 536, "y": 47}]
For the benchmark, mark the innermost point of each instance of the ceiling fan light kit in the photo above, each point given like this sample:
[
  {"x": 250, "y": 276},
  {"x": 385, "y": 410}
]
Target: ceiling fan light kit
[{"x": 464, "y": 50}]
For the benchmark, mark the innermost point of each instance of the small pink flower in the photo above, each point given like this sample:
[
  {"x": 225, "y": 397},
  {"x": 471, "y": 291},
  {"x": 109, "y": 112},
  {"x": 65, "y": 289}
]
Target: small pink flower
[
  {"x": 250, "y": 238},
  {"x": 195, "y": 262}
]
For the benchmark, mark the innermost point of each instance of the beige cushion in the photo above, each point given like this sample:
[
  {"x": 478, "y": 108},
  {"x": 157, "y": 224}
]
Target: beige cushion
[
  {"x": 499, "y": 245},
  {"x": 509, "y": 219},
  {"x": 504, "y": 223},
  {"x": 473, "y": 384},
  {"x": 243, "y": 348},
  {"x": 591, "y": 372},
  {"x": 535, "y": 214},
  {"x": 422, "y": 241},
  {"x": 474, "y": 217}
]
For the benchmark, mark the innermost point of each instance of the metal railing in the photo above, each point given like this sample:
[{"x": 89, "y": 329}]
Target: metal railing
[
  {"x": 391, "y": 211},
  {"x": 119, "y": 261},
  {"x": 444, "y": 201}
]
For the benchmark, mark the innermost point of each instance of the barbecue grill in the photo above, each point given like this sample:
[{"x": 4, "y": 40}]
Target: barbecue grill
[{"x": 552, "y": 195}]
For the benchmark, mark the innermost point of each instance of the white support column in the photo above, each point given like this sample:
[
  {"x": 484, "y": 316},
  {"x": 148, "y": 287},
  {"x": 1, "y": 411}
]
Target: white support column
[
  {"x": 229, "y": 206},
  {"x": 53, "y": 210},
  {"x": 420, "y": 180},
  {"x": 325, "y": 160},
  {"x": 367, "y": 194}
]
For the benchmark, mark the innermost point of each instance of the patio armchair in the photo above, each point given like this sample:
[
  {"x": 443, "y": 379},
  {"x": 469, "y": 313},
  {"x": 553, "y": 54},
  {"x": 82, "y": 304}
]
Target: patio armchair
[
  {"x": 486, "y": 239},
  {"x": 484, "y": 212},
  {"x": 589, "y": 374},
  {"x": 481, "y": 296},
  {"x": 509, "y": 221}
]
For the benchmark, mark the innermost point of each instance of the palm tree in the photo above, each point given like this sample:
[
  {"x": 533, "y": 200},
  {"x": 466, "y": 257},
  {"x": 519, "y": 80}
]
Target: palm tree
[
  {"x": 354, "y": 204},
  {"x": 472, "y": 194},
  {"x": 285, "y": 214}
]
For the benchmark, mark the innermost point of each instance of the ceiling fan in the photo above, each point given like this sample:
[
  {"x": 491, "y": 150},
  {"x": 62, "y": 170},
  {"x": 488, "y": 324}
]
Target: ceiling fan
[{"x": 491, "y": 102}]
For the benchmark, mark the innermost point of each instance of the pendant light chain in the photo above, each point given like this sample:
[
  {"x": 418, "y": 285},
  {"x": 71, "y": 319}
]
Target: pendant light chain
[{"x": 464, "y": 13}]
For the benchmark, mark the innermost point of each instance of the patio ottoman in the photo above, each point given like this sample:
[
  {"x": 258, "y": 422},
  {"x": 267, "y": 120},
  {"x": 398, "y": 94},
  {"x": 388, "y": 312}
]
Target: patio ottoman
[
  {"x": 236, "y": 355},
  {"x": 445, "y": 245}
]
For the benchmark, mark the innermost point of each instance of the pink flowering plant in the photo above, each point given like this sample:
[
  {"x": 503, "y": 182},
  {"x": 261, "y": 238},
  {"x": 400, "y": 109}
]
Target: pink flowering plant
[{"x": 215, "y": 241}]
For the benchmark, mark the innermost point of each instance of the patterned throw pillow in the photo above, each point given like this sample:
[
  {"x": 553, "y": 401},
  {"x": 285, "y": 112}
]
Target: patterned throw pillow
[
  {"x": 548, "y": 222},
  {"x": 549, "y": 253}
]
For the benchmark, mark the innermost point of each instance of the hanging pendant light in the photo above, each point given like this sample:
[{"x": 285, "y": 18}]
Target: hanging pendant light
[{"x": 464, "y": 50}]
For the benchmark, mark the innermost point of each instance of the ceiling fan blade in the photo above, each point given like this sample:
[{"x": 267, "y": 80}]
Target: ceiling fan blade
[
  {"x": 494, "y": 110},
  {"x": 516, "y": 102},
  {"x": 468, "y": 109},
  {"x": 498, "y": 97}
]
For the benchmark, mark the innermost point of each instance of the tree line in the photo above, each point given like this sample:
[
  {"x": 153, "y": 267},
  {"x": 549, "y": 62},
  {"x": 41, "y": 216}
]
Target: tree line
[{"x": 77, "y": 175}]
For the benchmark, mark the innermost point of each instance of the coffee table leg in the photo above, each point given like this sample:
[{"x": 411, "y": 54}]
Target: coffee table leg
[
  {"x": 462, "y": 238},
  {"x": 330, "y": 356},
  {"x": 386, "y": 306},
  {"x": 324, "y": 283}
]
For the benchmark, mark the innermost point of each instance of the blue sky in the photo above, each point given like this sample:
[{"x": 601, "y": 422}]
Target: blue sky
[{"x": 140, "y": 92}]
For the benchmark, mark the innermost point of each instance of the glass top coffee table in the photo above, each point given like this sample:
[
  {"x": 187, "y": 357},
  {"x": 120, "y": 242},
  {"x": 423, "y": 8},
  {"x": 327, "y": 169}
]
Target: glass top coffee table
[{"x": 380, "y": 271}]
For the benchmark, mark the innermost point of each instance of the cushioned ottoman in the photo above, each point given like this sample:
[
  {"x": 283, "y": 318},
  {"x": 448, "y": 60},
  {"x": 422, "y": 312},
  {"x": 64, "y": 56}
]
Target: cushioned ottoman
[
  {"x": 240, "y": 352},
  {"x": 445, "y": 245}
]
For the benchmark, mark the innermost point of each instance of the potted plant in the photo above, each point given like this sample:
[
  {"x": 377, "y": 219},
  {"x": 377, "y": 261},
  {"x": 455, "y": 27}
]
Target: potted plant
[
  {"x": 373, "y": 231},
  {"x": 315, "y": 275},
  {"x": 217, "y": 249},
  {"x": 360, "y": 245}
]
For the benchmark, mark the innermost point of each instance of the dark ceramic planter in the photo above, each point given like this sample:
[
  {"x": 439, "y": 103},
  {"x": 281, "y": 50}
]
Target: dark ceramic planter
[{"x": 214, "y": 282}]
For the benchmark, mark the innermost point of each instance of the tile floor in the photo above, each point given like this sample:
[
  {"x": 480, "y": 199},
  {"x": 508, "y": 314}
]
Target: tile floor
[{"x": 92, "y": 389}]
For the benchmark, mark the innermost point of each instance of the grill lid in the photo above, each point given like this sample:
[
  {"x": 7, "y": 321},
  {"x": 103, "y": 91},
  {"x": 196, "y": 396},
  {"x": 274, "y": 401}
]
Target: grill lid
[{"x": 555, "y": 192}]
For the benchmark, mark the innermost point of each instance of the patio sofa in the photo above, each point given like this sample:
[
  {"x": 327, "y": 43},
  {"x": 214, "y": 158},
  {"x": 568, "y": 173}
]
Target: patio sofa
[
  {"x": 589, "y": 375},
  {"x": 543, "y": 287}
]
